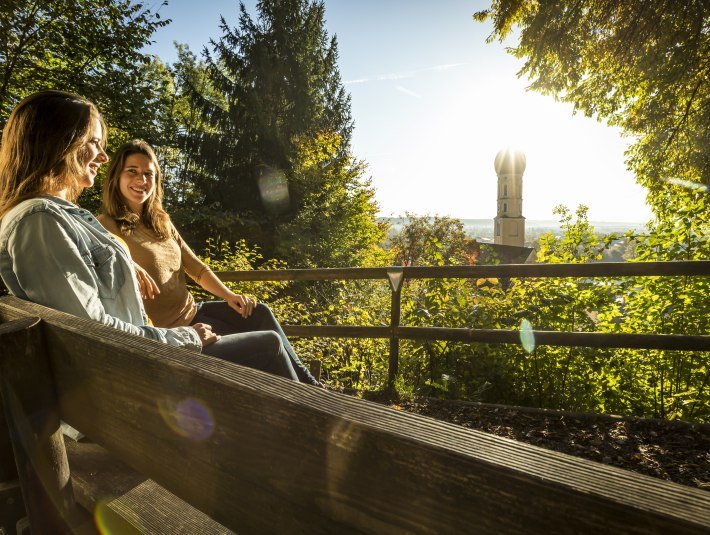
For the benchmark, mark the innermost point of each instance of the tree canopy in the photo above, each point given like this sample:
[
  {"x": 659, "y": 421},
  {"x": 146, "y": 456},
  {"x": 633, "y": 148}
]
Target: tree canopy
[
  {"x": 641, "y": 65},
  {"x": 91, "y": 48}
]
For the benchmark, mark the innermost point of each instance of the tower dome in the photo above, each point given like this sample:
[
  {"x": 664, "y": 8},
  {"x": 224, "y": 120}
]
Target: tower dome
[{"x": 509, "y": 161}]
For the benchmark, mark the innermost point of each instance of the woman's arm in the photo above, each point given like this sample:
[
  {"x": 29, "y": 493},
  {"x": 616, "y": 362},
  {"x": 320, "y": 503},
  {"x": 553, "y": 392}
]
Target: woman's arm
[
  {"x": 242, "y": 304},
  {"x": 204, "y": 276}
]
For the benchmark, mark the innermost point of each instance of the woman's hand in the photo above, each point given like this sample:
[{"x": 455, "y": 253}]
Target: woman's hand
[
  {"x": 242, "y": 304},
  {"x": 146, "y": 285},
  {"x": 205, "y": 333}
]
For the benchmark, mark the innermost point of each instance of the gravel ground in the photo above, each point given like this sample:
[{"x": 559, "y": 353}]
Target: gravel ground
[{"x": 675, "y": 451}]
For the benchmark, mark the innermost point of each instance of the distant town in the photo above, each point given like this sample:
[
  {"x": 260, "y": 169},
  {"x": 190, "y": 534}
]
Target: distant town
[{"x": 482, "y": 229}]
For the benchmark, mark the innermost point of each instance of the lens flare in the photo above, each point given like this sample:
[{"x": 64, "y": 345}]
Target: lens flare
[
  {"x": 189, "y": 418},
  {"x": 109, "y": 522},
  {"x": 527, "y": 336},
  {"x": 273, "y": 188}
]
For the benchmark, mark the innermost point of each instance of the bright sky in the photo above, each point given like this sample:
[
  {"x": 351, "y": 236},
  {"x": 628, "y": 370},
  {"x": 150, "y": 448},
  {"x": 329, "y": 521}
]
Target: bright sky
[{"x": 433, "y": 104}]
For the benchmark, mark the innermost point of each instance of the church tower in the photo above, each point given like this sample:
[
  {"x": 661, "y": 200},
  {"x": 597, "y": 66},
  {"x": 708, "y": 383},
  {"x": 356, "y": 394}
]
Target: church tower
[{"x": 509, "y": 224}]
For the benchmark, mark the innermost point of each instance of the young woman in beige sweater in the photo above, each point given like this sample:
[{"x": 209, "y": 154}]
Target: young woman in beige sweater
[{"x": 132, "y": 210}]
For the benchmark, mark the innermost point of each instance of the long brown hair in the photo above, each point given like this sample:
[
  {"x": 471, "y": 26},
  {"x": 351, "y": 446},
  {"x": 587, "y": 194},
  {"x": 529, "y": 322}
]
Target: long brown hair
[
  {"x": 43, "y": 146},
  {"x": 154, "y": 216}
]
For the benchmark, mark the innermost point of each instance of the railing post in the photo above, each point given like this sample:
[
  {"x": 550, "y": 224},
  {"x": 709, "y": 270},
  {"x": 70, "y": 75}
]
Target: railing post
[{"x": 396, "y": 276}]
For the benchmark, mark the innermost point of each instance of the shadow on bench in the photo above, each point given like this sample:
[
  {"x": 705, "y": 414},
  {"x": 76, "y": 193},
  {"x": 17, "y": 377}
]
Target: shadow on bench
[{"x": 257, "y": 453}]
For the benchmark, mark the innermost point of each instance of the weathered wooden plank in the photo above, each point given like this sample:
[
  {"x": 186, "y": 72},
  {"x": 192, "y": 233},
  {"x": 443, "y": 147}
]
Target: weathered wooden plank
[
  {"x": 124, "y": 501},
  {"x": 32, "y": 417},
  {"x": 597, "y": 269},
  {"x": 265, "y": 454}
]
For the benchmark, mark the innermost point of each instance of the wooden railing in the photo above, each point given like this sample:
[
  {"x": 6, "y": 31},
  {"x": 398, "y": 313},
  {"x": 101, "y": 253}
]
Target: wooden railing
[{"x": 397, "y": 276}]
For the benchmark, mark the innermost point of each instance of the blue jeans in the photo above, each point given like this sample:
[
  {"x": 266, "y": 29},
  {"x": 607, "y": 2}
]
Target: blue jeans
[{"x": 257, "y": 341}]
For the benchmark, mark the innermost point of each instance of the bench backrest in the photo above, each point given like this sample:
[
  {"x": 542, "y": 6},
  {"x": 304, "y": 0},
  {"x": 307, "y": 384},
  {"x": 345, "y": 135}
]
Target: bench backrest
[{"x": 259, "y": 453}]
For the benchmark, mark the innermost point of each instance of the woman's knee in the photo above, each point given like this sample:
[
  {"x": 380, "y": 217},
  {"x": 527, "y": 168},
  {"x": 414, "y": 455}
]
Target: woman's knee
[
  {"x": 262, "y": 310},
  {"x": 273, "y": 350},
  {"x": 264, "y": 316},
  {"x": 269, "y": 341}
]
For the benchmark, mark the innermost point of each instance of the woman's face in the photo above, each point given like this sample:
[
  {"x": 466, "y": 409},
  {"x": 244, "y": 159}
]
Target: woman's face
[
  {"x": 94, "y": 156},
  {"x": 137, "y": 181}
]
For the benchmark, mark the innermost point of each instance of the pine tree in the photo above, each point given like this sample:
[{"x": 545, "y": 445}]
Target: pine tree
[{"x": 280, "y": 84}]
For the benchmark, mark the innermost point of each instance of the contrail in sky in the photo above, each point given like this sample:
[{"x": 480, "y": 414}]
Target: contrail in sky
[
  {"x": 405, "y": 74},
  {"x": 408, "y": 91}
]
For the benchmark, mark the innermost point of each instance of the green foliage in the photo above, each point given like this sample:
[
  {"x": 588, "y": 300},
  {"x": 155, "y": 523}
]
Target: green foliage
[
  {"x": 186, "y": 88},
  {"x": 669, "y": 384},
  {"x": 351, "y": 363},
  {"x": 640, "y": 65},
  {"x": 578, "y": 244},
  {"x": 91, "y": 48},
  {"x": 427, "y": 240},
  {"x": 560, "y": 377},
  {"x": 238, "y": 256},
  {"x": 679, "y": 381},
  {"x": 439, "y": 367},
  {"x": 334, "y": 222}
]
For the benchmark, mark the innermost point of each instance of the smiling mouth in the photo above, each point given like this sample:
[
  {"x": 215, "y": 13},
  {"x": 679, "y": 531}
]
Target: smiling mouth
[{"x": 138, "y": 190}]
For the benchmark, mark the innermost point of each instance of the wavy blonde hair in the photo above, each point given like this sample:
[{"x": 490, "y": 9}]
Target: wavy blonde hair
[
  {"x": 154, "y": 216},
  {"x": 44, "y": 146}
]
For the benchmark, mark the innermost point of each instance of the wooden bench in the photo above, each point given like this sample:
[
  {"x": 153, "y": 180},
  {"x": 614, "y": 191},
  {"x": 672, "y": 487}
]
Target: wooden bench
[{"x": 185, "y": 443}]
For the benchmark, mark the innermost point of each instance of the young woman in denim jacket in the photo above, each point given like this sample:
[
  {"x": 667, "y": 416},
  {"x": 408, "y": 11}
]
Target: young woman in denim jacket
[
  {"x": 56, "y": 254},
  {"x": 133, "y": 211}
]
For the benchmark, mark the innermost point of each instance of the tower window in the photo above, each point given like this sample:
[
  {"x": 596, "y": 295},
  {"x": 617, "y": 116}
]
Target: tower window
[
  {"x": 505, "y": 207},
  {"x": 505, "y": 190}
]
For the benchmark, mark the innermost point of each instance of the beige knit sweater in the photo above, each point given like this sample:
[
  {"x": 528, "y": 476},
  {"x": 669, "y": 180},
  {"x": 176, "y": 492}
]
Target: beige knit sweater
[{"x": 167, "y": 262}]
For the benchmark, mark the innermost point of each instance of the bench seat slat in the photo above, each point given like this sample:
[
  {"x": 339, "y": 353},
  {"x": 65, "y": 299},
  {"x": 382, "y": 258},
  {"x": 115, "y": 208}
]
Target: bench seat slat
[{"x": 120, "y": 496}]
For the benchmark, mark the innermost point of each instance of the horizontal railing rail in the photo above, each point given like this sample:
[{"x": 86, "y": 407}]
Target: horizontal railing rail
[
  {"x": 501, "y": 336},
  {"x": 597, "y": 269},
  {"x": 397, "y": 274}
]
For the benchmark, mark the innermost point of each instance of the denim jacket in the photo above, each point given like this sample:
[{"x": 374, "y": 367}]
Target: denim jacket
[{"x": 57, "y": 254}]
